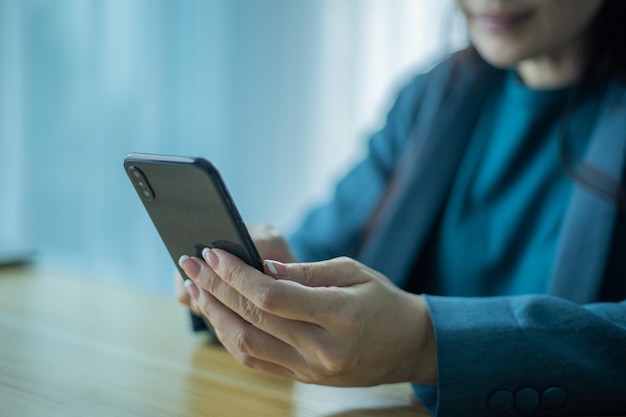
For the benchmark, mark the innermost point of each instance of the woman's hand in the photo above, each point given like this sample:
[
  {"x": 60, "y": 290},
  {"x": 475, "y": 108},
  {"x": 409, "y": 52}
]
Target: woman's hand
[
  {"x": 270, "y": 244},
  {"x": 334, "y": 323},
  {"x": 183, "y": 296}
]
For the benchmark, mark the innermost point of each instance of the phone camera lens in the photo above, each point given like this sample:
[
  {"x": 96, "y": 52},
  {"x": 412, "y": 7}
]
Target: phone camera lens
[{"x": 141, "y": 183}]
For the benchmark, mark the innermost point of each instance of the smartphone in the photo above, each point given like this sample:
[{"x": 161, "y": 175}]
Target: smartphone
[{"x": 190, "y": 206}]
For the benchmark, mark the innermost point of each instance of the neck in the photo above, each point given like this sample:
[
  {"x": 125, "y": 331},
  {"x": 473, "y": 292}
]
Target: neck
[{"x": 554, "y": 70}]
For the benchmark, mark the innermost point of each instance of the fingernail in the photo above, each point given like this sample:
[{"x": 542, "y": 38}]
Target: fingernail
[
  {"x": 192, "y": 289},
  {"x": 190, "y": 266},
  {"x": 277, "y": 269},
  {"x": 182, "y": 259},
  {"x": 210, "y": 257}
]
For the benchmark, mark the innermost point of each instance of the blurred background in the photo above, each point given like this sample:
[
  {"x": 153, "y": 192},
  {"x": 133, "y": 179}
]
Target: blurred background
[{"x": 280, "y": 94}]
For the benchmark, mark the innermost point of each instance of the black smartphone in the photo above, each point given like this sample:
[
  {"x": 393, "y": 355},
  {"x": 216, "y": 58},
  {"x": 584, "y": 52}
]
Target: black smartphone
[{"x": 190, "y": 206}]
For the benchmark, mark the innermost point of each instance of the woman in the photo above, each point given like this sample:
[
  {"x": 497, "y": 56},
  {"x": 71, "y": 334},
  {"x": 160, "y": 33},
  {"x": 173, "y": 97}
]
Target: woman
[{"x": 495, "y": 187}]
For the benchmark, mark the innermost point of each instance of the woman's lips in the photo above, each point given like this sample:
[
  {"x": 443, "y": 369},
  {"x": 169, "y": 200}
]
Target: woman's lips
[{"x": 500, "y": 22}]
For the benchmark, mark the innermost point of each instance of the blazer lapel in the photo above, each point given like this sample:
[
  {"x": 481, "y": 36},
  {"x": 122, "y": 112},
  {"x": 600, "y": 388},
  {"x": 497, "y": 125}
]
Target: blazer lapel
[
  {"x": 421, "y": 183},
  {"x": 588, "y": 227}
]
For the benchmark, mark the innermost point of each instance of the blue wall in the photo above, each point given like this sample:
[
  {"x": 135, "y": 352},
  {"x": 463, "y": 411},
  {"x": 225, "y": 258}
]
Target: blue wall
[{"x": 244, "y": 83}]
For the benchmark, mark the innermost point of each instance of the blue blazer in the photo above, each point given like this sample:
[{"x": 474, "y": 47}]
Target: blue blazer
[{"x": 560, "y": 353}]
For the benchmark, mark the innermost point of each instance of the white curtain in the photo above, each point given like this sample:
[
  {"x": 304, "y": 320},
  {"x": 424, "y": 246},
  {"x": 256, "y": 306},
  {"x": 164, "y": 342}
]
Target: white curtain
[{"x": 280, "y": 94}]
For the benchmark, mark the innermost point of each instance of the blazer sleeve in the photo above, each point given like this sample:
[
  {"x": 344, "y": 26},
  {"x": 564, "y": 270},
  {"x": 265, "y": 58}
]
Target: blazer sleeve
[
  {"x": 337, "y": 227},
  {"x": 527, "y": 356}
]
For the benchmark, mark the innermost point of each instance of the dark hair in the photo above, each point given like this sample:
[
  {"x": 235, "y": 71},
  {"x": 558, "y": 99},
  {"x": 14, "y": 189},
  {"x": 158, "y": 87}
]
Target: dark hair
[
  {"x": 608, "y": 40},
  {"x": 606, "y": 59}
]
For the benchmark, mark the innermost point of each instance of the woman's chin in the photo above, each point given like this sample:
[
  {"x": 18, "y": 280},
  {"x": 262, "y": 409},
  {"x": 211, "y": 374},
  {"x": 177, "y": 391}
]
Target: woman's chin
[{"x": 500, "y": 58}]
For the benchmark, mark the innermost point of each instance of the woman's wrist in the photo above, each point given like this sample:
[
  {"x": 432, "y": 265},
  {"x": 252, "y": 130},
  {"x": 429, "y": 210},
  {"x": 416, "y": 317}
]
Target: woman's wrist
[{"x": 426, "y": 369}]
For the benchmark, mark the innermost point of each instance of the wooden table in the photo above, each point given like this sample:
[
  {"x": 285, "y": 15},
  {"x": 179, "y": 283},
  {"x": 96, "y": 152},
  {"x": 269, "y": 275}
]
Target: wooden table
[{"x": 71, "y": 346}]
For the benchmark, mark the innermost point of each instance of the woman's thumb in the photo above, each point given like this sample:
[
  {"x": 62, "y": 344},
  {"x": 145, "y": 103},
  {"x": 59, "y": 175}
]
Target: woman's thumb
[
  {"x": 335, "y": 272},
  {"x": 308, "y": 274}
]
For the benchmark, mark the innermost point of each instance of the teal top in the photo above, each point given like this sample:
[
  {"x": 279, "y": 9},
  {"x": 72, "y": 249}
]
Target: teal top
[{"x": 499, "y": 231}]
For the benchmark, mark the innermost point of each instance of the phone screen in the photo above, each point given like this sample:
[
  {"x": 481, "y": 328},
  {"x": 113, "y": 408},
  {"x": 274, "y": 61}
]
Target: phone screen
[{"x": 190, "y": 206}]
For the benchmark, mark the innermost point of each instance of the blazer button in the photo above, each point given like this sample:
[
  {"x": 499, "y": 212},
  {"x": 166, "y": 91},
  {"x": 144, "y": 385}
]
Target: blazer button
[
  {"x": 500, "y": 401},
  {"x": 553, "y": 397},
  {"x": 527, "y": 399}
]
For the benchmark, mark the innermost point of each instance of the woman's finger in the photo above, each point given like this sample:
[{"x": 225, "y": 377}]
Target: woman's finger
[
  {"x": 285, "y": 297},
  {"x": 183, "y": 296},
  {"x": 247, "y": 342},
  {"x": 249, "y": 292},
  {"x": 256, "y": 363}
]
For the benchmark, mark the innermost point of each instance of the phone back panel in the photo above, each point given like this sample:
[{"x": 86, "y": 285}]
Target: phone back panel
[{"x": 191, "y": 207}]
